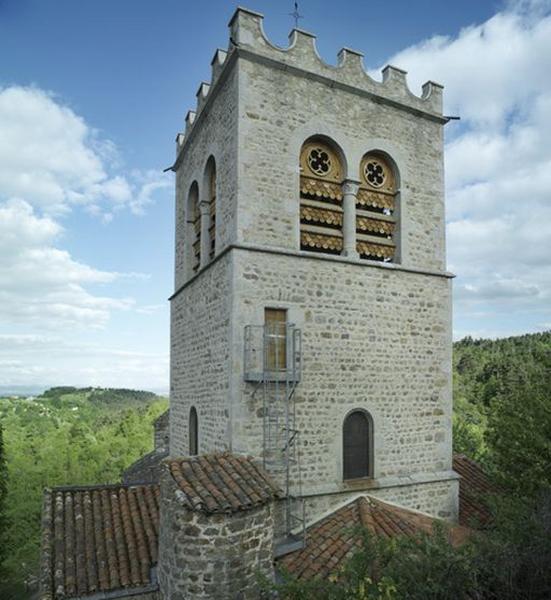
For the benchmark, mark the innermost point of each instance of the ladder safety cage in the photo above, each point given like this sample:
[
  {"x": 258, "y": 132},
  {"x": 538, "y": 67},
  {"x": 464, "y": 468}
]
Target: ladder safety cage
[{"x": 272, "y": 359}]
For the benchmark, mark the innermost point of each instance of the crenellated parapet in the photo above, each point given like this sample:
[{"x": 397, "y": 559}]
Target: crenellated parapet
[
  {"x": 248, "y": 41},
  {"x": 203, "y": 94},
  {"x": 246, "y": 30}
]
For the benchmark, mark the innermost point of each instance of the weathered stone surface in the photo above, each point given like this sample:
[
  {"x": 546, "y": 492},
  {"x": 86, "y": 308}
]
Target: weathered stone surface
[
  {"x": 376, "y": 337},
  {"x": 212, "y": 556}
]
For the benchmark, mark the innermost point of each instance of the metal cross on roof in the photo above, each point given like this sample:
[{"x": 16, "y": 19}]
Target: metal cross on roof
[{"x": 296, "y": 15}]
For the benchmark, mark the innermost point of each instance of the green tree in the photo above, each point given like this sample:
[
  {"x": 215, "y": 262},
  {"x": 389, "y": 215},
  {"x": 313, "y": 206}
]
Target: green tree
[
  {"x": 519, "y": 435},
  {"x": 65, "y": 437},
  {"x": 420, "y": 567},
  {"x": 3, "y": 495}
]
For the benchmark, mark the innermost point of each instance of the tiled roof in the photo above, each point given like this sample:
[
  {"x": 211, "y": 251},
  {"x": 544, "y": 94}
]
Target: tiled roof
[
  {"x": 104, "y": 538},
  {"x": 332, "y": 540},
  {"x": 474, "y": 490},
  {"x": 98, "y": 539},
  {"x": 215, "y": 483}
]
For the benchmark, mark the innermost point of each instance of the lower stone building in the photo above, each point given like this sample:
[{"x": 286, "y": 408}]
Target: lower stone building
[{"x": 219, "y": 516}]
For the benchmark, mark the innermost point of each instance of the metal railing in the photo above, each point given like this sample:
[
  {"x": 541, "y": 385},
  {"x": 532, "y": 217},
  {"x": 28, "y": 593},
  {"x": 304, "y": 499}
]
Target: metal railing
[{"x": 273, "y": 359}]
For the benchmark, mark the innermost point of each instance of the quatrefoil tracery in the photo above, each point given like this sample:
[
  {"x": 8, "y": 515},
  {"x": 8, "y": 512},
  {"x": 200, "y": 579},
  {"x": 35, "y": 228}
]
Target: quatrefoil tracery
[
  {"x": 375, "y": 173},
  {"x": 319, "y": 161}
]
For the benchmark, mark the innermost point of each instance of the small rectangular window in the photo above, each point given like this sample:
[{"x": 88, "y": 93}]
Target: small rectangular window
[{"x": 275, "y": 331}]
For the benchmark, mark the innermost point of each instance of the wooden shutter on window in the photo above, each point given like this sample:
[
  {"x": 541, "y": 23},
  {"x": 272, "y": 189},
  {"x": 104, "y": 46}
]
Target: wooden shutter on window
[
  {"x": 375, "y": 209},
  {"x": 321, "y": 210},
  {"x": 197, "y": 240},
  {"x": 212, "y": 228},
  {"x": 275, "y": 320}
]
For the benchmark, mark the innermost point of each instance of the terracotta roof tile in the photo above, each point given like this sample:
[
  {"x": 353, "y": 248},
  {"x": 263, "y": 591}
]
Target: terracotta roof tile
[
  {"x": 98, "y": 539},
  {"x": 105, "y": 538},
  {"x": 224, "y": 482},
  {"x": 474, "y": 489},
  {"x": 333, "y": 540}
]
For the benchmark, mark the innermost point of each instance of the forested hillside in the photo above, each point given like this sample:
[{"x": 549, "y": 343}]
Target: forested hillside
[
  {"x": 502, "y": 417},
  {"x": 502, "y": 405},
  {"x": 65, "y": 436}
]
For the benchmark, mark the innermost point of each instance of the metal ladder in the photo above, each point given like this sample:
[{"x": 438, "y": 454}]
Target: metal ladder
[{"x": 277, "y": 373}]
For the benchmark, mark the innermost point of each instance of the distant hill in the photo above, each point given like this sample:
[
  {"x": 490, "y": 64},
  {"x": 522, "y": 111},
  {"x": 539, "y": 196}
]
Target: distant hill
[
  {"x": 65, "y": 436},
  {"x": 116, "y": 398},
  {"x": 485, "y": 371}
]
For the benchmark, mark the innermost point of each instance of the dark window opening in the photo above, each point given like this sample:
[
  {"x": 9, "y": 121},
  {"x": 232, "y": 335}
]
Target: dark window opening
[
  {"x": 357, "y": 445},
  {"x": 193, "y": 432}
]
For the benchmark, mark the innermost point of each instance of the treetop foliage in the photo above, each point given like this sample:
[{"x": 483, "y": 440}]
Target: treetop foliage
[{"x": 66, "y": 436}]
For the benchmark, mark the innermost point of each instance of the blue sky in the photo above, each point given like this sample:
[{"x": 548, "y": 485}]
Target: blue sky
[{"x": 92, "y": 93}]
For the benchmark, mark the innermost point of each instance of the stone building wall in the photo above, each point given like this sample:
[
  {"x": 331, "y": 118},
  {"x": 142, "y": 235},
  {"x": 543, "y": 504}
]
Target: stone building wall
[
  {"x": 200, "y": 359},
  {"x": 214, "y": 134},
  {"x": 288, "y": 95},
  {"x": 214, "y": 557},
  {"x": 373, "y": 338},
  {"x": 161, "y": 432},
  {"x": 435, "y": 498}
]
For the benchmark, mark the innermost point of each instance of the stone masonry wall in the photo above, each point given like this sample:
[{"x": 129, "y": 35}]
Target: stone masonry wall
[
  {"x": 214, "y": 557},
  {"x": 373, "y": 338},
  {"x": 200, "y": 359},
  {"x": 161, "y": 432},
  {"x": 280, "y": 109},
  {"x": 214, "y": 134},
  {"x": 437, "y": 498}
]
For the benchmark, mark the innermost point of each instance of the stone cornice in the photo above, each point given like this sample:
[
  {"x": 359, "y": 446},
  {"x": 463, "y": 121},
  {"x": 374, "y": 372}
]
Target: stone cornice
[{"x": 362, "y": 263}]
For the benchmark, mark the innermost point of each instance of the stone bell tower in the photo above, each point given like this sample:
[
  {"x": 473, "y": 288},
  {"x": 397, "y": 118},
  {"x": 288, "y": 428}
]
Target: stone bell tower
[{"x": 311, "y": 318}]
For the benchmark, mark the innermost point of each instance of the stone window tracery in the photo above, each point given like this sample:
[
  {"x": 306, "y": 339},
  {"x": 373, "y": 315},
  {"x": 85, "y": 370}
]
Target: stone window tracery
[
  {"x": 321, "y": 213},
  {"x": 376, "y": 220}
]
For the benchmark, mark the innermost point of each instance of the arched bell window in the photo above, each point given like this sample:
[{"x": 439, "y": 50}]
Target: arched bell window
[
  {"x": 321, "y": 212},
  {"x": 211, "y": 189},
  {"x": 193, "y": 432},
  {"x": 376, "y": 214},
  {"x": 357, "y": 438},
  {"x": 194, "y": 226}
]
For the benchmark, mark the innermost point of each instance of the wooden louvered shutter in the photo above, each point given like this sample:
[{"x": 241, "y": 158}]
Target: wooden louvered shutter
[
  {"x": 321, "y": 212},
  {"x": 376, "y": 209}
]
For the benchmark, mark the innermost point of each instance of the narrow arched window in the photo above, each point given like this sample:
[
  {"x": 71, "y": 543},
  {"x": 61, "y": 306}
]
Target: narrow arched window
[
  {"x": 193, "y": 432},
  {"x": 376, "y": 214},
  {"x": 194, "y": 224},
  {"x": 321, "y": 212},
  {"x": 211, "y": 188},
  {"x": 357, "y": 445}
]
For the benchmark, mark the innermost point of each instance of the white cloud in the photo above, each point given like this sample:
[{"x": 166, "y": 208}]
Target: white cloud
[
  {"x": 53, "y": 159},
  {"x": 497, "y": 77},
  {"x": 48, "y": 360},
  {"x": 52, "y": 162},
  {"x": 41, "y": 285}
]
